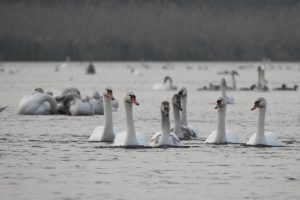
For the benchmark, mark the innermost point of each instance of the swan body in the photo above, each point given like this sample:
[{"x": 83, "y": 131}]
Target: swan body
[
  {"x": 221, "y": 135},
  {"x": 81, "y": 107},
  {"x": 130, "y": 137},
  {"x": 189, "y": 132},
  {"x": 167, "y": 85},
  {"x": 37, "y": 104},
  {"x": 165, "y": 137},
  {"x": 261, "y": 137},
  {"x": 105, "y": 133}
]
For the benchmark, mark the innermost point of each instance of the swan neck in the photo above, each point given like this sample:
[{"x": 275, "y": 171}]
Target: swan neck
[
  {"x": 261, "y": 122},
  {"x": 129, "y": 120},
  {"x": 177, "y": 122},
  {"x": 259, "y": 84},
  {"x": 221, "y": 134},
  {"x": 184, "y": 111},
  {"x": 52, "y": 102},
  {"x": 108, "y": 118},
  {"x": 165, "y": 126}
]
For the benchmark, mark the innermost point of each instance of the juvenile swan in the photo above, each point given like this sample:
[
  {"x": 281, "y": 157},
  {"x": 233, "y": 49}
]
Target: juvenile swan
[
  {"x": 167, "y": 85},
  {"x": 221, "y": 135},
  {"x": 189, "y": 132},
  {"x": 130, "y": 137},
  {"x": 105, "y": 133},
  {"x": 164, "y": 137},
  {"x": 261, "y": 137}
]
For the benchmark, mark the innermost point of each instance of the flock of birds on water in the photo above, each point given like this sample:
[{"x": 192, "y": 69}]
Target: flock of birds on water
[{"x": 71, "y": 102}]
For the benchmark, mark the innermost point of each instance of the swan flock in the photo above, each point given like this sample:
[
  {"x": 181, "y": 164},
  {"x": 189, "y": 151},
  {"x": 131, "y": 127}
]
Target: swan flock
[{"x": 168, "y": 136}]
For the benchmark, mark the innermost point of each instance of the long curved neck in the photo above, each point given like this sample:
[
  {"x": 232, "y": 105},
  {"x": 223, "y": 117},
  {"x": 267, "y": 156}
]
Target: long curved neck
[
  {"x": 108, "y": 118},
  {"x": 261, "y": 122},
  {"x": 221, "y": 134},
  {"x": 233, "y": 81},
  {"x": 129, "y": 119},
  {"x": 165, "y": 126},
  {"x": 51, "y": 101},
  {"x": 184, "y": 111},
  {"x": 177, "y": 122}
]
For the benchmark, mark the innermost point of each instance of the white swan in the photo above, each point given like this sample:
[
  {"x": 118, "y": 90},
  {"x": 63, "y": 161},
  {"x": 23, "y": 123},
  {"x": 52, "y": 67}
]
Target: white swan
[
  {"x": 166, "y": 85},
  {"x": 189, "y": 132},
  {"x": 105, "y": 133},
  {"x": 261, "y": 137},
  {"x": 79, "y": 106},
  {"x": 130, "y": 137},
  {"x": 221, "y": 135},
  {"x": 165, "y": 137},
  {"x": 37, "y": 103},
  {"x": 229, "y": 99}
]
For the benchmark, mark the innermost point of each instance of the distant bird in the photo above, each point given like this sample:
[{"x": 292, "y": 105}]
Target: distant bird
[
  {"x": 166, "y": 85},
  {"x": 284, "y": 87},
  {"x": 90, "y": 69}
]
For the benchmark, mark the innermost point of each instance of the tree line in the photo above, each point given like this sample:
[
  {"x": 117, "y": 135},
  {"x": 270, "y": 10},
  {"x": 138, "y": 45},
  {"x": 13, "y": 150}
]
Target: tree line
[{"x": 176, "y": 30}]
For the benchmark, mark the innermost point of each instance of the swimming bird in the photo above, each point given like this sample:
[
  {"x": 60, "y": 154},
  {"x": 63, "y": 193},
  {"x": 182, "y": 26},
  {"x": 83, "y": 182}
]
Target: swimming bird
[
  {"x": 233, "y": 73},
  {"x": 37, "y": 103},
  {"x": 130, "y": 137},
  {"x": 189, "y": 132},
  {"x": 165, "y": 137},
  {"x": 284, "y": 87},
  {"x": 261, "y": 137},
  {"x": 167, "y": 85},
  {"x": 221, "y": 135},
  {"x": 105, "y": 133}
]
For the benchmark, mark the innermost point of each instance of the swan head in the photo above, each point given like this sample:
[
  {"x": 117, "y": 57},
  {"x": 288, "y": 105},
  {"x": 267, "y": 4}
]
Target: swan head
[
  {"x": 40, "y": 90},
  {"x": 176, "y": 101},
  {"x": 165, "y": 108},
  {"x": 130, "y": 98},
  {"x": 259, "y": 103},
  {"x": 221, "y": 102},
  {"x": 109, "y": 93},
  {"x": 182, "y": 91}
]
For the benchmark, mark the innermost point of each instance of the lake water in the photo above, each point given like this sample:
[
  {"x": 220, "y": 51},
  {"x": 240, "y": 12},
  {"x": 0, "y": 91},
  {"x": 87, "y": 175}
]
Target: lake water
[{"x": 48, "y": 157}]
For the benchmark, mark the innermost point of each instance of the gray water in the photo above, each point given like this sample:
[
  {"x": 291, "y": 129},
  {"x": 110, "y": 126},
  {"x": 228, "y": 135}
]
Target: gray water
[{"x": 48, "y": 157}]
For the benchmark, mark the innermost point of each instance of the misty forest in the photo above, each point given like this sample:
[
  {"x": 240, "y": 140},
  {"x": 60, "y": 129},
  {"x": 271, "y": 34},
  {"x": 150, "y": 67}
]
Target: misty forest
[{"x": 153, "y": 30}]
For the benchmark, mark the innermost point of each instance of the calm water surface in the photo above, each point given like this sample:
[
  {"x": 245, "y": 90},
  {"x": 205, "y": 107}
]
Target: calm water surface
[{"x": 48, "y": 157}]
